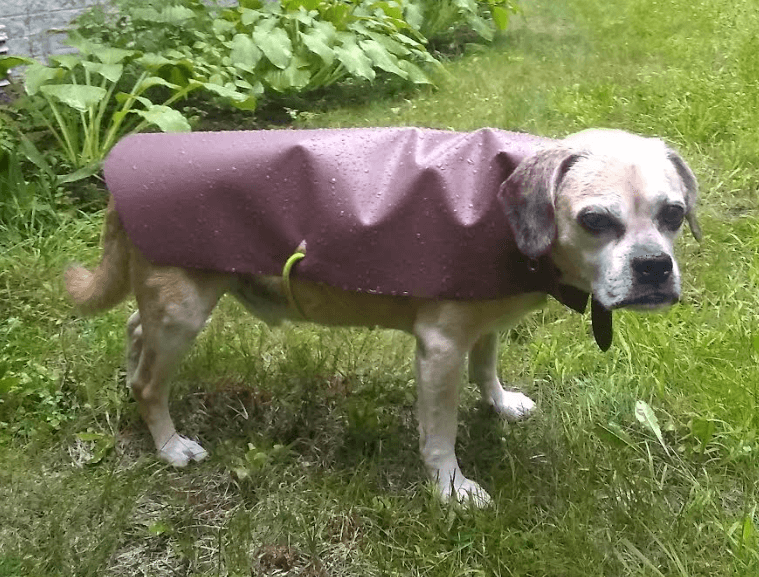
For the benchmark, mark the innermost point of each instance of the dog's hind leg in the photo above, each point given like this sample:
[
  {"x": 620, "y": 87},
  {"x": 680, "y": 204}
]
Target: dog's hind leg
[
  {"x": 483, "y": 364},
  {"x": 174, "y": 305}
]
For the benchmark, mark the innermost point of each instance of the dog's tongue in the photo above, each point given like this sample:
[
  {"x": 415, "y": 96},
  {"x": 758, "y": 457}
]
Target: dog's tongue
[{"x": 601, "y": 320}]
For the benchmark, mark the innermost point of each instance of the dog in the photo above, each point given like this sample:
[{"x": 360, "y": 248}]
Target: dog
[{"x": 601, "y": 207}]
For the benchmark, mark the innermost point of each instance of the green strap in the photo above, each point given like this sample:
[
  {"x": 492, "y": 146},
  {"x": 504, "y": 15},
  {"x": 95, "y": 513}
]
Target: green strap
[{"x": 299, "y": 254}]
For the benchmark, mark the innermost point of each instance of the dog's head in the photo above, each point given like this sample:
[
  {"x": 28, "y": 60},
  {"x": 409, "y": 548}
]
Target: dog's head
[{"x": 606, "y": 206}]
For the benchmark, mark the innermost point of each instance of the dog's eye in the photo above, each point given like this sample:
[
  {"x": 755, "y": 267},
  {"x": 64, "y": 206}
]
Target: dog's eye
[
  {"x": 672, "y": 216},
  {"x": 597, "y": 222}
]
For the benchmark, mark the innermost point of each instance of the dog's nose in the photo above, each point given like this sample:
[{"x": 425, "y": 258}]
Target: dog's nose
[{"x": 652, "y": 269}]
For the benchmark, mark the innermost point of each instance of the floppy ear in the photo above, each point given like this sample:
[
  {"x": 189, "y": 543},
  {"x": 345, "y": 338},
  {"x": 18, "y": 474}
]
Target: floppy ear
[
  {"x": 529, "y": 194},
  {"x": 691, "y": 191}
]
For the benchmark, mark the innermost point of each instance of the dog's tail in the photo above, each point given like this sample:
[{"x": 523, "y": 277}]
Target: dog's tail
[{"x": 108, "y": 284}]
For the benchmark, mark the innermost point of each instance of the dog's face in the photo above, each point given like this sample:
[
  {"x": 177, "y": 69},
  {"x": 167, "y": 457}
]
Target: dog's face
[{"x": 607, "y": 205}]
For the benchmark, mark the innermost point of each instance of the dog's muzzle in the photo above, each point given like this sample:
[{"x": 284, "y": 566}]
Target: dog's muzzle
[{"x": 654, "y": 284}]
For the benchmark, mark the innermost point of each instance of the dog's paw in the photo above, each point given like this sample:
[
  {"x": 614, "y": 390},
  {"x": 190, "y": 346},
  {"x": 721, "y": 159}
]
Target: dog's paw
[
  {"x": 466, "y": 492},
  {"x": 179, "y": 451},
  {"x": 511, "y": 405},
  {"x": 454, "y": 485}
]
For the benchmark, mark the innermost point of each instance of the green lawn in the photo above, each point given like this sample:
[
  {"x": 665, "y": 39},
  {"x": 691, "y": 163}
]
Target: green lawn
[{"x": 315, "y": 469}]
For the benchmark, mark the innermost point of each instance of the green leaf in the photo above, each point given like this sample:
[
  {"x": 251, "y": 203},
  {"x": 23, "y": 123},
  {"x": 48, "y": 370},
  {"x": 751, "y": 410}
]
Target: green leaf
[
  {"x": 747, "y": 532},
  {"x": 150, "y": 81},
  {"x": 501, "y": 17},
  {"x": 34, "y": 155},
  {"x": 381, "y": 58},
  {"x": 355, "y": 61},
  {"x": 222, "y": 27},
  {"x": 248, "y": 16},
  {"x": 415, "y": 74},
  {"x": 482, "y": 27},
  {"x": 245, "y": 54},
  {"x": 614, "y": 436},
  {"x": 159, "y": 528},
  {"x": 8, "y": 383},
  {"x": 250, "y": 102},
  {"x": 111, "y": 72},
  {"x": 78, "y": 96},
  {"x": 307, "y": 4},
  {"x": 391, "y": 9},
  {"x": 68, "y": 61},
  {"x": 414, "y": 15},
  {"x": 153, "y": 61},
  {"x": 236, "y": 98},
  {"x": 316, "y": 42},
  {"x": 703, "y": 430},
  {"x": 275, "y": 44},
  {"x": 391, "y": 45},
  {"x": 103, "y": 443},
  {"x": 165, "y": 118},
  {"x": 108, "y": 55},
  {"x": 646, "y": 416},
  {"x": 176, "y": 14},
  {"x": 81, "y": 174},
  {"x": 8, "y": 62},
  {"x": 295, "y": 77},
  {"x": 37, "y": 75}
]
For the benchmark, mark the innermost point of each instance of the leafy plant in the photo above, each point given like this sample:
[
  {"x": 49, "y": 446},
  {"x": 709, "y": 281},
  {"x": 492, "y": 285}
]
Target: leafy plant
[
  {"x": 76, "y": 98},
  {"x": 438, "y": 19},
  {"x": 26, "y": 203},
  {"x": 307, "y": 44},
  {"x": 275, "y": 47}
]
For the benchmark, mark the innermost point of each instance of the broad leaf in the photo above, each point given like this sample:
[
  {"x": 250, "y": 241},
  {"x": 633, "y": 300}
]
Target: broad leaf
[
  {"x": 248, "y": 16},
  {"x": 275, "y": 44},
  {"x": 224, "y": 91},
  {"x": 165, "y": 118},
  {"x": 316, "y": 43},
  {"x": 37, "y": 75},
  {"x": 8, "y": 62},
  {"x": 151, "y": 81},
  {"x": 222, "y": 27},
  {"x": 355, "y": 61},
  {"x": 391, "y": 45},
  {"x": 245, "y": 54},
  {"x": 108, "y": 55},
  {"x": 381, "y": 58},
  {"x": 110, "y": 72},
  {"x": 176, "y": 14},
  {"x": 295, "y": 77},
  {"x": 77, "y": 96},
  {"x": 68, "y": 61},
  {"x": 414, "y": 73},
  {"x": 414, "y": 15},
  {"x": 153, "y": 61},
  {"x": 500, "y": 17}
]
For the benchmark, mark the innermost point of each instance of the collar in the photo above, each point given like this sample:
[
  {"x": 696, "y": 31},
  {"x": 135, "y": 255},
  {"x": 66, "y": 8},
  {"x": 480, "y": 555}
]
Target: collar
[{"x": 577, "y": 300}]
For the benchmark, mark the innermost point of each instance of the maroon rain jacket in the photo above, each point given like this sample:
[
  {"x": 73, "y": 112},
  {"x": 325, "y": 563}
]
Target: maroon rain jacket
[{"x": 396, "y": 211}]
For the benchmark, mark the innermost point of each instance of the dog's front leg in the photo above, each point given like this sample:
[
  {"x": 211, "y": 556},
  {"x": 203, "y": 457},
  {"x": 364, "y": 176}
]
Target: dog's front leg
[
  {"x": 483, "y": 364},
  {"x": 439, "y": 370}
]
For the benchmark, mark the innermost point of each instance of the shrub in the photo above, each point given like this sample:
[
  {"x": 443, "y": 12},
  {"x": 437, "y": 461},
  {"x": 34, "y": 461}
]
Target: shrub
[{"x": 138, "y": 58}]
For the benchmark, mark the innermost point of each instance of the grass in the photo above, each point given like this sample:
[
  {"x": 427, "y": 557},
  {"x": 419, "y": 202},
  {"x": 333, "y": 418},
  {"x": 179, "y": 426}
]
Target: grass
[{"x": 315, "y": 469}]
